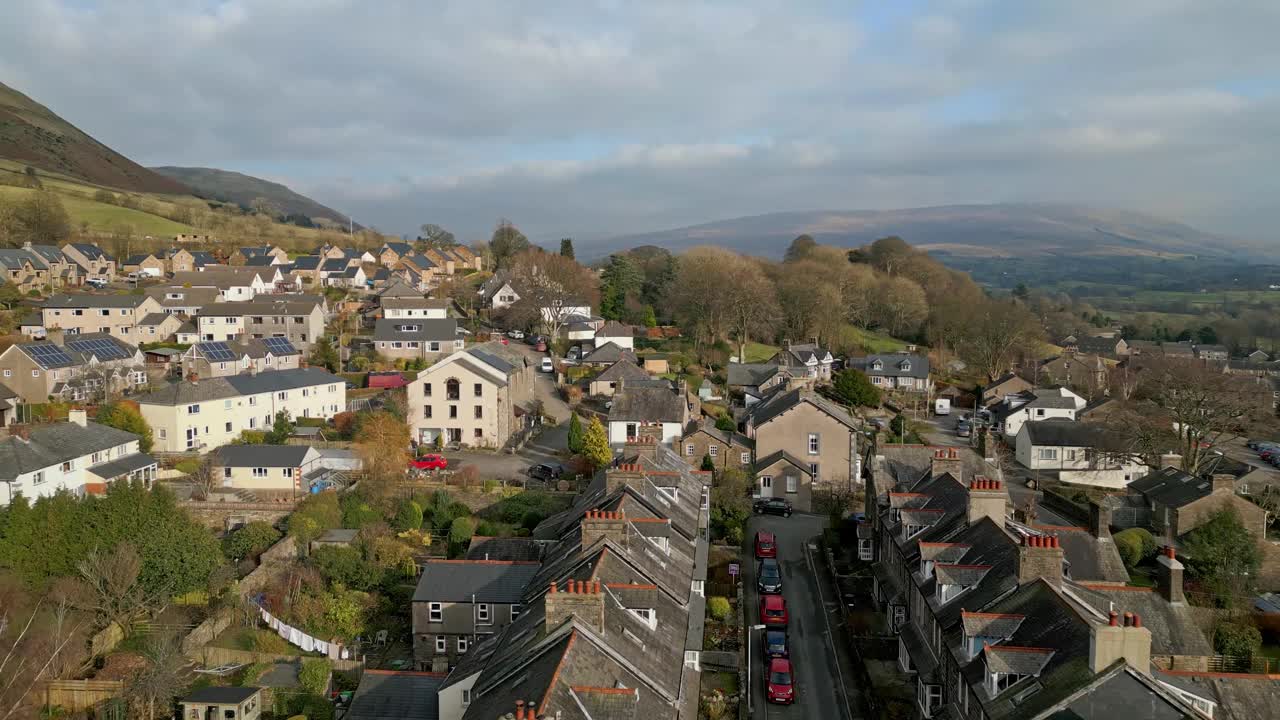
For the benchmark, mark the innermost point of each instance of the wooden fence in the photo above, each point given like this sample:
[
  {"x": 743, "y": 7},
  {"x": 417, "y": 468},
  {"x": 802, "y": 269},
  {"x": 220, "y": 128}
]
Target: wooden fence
[{"x": 79, "y": 695}]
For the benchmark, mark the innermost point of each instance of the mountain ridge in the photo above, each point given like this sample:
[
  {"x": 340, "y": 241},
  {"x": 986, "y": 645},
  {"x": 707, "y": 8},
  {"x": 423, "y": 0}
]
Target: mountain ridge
[{"x": 241, "y": 189}]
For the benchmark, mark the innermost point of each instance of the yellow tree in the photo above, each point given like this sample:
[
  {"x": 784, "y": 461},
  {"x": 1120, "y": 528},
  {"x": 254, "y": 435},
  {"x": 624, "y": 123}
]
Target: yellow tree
[
  {"x": 383, "y": 441},
  {"x": 595, "y": 445}
]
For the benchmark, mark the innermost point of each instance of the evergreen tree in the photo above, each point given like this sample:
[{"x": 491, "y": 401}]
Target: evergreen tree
[
  {"x": 280, "y": 430},
  {"x": 852, "y": 387},
  {"x": 650, "y": 319},
  {"x": 324, "y": 355},
  {"x": 595, "y": 445},
  {"x": 575, "y": 434},
  {"x": 620, "y": 279},
  {"x": 566, "y": 247},
  {"x": 708, "y": 464}
]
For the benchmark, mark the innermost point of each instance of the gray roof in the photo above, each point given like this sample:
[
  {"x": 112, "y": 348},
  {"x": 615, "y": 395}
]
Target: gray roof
[
  {"x": 1017, "y": 660},
  {"x": 16, "y": 258},
  {"x": 504, "y": 548},
  {"x": 1061, "y": 432},
  {"x": 399, "y": 248},
  {"x": 63, "y": 300},
  {"x": 91, "y": 251},
  {"x": 777, "y": 404},
  {"x": 190, "y": 295},
  {"x": 648, "y": 403},
  {"x": 1174, "y": 630},
  {"x": 276, "y": 456},
  {"x": 772, "y": 459},
  {"x": 892, "y": 365},
  {"x": 613, "y": 328},
  {"x": 428, "y": 329},
  {"x": 751, "y": 374},
  {"x": 49, "y": 253},
  {"x": 236, "y": 385},
  {"x": 122, "y": 466},
  {"x": 624, "y": 370},
  {"x": 153, "y": 319},
  {"x": 259, "y": 307},
  {"x": 139, "y": 259},
  {"x": 609, "y": 353},
  {"x": 1172, "y": 487},
  {"x": 494, "y": 581},
  {"x": 56, "y": 443},
  {"x": 390, "y": 695},
  {"x": 220, "y": 695},
  {"x": 306, "y": 262},
  {"x": 338, "y": 535}
]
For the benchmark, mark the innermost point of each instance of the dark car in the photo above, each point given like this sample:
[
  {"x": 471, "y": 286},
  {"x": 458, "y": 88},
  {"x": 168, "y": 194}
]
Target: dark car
[
  {"x": 766, "y": 545},
  {"x": 779, "y": 683},
  {"x": 775, "y": 645},
  {"x": 544, "y": 471},
  {"x": 769, "y": 579},
  {"x": 772, "y": 506}
]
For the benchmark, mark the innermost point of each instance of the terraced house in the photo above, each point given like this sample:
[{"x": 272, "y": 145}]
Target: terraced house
[
  {"x": 75, "y": 368},
  {"x": 76, "y": 456},
  {"x": 23, "y": 269},
  {"x": 426, "y": 338},
  {"x": 117, "y": 315},
  {"x": 93, "y": 262},
  {"x": 300, "y": 320},
  {"x": 238, "y": 357}
]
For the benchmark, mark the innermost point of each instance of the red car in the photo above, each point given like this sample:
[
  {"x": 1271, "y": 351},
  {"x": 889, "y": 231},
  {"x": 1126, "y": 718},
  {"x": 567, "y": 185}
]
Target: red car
[
  {"x": 766, "y": 545},
  {"x": 779, "y": 685},
  {"x": 429, "y": 462},
  {"x": 773, "y": 610}
]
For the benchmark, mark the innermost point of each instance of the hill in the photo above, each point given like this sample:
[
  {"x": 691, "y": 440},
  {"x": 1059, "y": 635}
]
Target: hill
[
  {"x": 1008, "y": 231},
  {"x": 242, "y": 190},
  {"x": 32, "y": 134}
]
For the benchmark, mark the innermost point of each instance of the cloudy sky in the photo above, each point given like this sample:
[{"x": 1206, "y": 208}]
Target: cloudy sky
[{"x": 598, "y": 117}]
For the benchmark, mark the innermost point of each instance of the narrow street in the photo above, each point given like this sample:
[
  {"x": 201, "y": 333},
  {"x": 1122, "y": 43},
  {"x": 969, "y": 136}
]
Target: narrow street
[{"x": 821, "y": 674}]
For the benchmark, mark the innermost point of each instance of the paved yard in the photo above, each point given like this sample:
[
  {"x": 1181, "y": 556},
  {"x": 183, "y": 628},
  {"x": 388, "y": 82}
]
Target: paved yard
[{"x": 546, "y": 448}]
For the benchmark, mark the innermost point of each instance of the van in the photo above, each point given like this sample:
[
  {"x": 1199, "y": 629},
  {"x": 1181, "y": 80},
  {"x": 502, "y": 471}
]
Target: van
[
  {"x": 547, "y": 364},
  {"x": 942, "y": 406}
]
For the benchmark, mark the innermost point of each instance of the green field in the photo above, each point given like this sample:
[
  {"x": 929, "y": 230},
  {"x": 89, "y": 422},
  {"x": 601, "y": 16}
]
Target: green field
[
  {"x": 872, "y": 342},
  {"x": 758, "y": 352},
  {"x": 104, "y": 216}
]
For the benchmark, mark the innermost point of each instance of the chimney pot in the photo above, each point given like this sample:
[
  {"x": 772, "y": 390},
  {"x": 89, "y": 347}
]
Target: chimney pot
[
  {"x": 1114, "y": 619},
  {"x": 552, "y": 589},
  {"x": 1128, "y": 619},
  {"x": 953, "y": 454},
  {"x": 519, "y": 710},
  {"x": 1169, "y": 552},
  {"x": 1137, "y": 620}
]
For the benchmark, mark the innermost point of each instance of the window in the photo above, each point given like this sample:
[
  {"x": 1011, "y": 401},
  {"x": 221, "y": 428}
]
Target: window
[
  {"x": 442, "y": 644},
  {"x": 8, "y": 373},
  {"x": 515, "y": 611},
  {"x": 226, "y": 473},
  {"x": 253, "y": 399},
  {"x": 426, "y": 412},
  {"x": 792, "y": 483},
  {"x": 453, "y": 412},
  {"x": 688, "y": 449},
  {"x": 435, "y": 612},
  {"x": 228, "y": 427},
  {"x": 813, "y": 443},
  {"x": 746, "y": 458},
  {"x": 479, "y": 412},
  {"x": 452, "y": 389},
  {"x": 253, "y": 423},
  {"x": 713, "y": 450},
  {"x": 259, "y": 472},
  {"x": 35, "y": 373},
  {"x": 999, "y": 682},
  {"x": 193, "y": 409},
  {"x": 1048, "y": 453},
  {"x": 426, "y": 389},
  {"x": 929, "y": 697},
  {"x": 466, "y": 697},
  {"x": 462, "y": 644},
  {"x": 162, "y": 433},
  {"x": 37, "y": 477},
  {"x": 477, "y": 433},
  {"x": 1039, "y": 412},
  {"x": 766, "y": 482},
  {"x": 479, "y": 390},
  {"x": 283, "y": 395},
  {"x": 483, "y": 615},
  {"x": 95, "y": 458}
]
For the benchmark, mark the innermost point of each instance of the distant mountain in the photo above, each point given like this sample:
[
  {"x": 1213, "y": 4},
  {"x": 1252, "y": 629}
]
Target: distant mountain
[
  {"x": 1032, "y": 231},
  {"x": 31, "y": 134},
  {"x": 240, "y": 189}
]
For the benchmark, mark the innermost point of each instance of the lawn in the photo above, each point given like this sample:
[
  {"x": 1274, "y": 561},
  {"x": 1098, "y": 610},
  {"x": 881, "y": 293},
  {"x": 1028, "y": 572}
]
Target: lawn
[
  {"x": 756, "y": 352},
  {"x": 870, "y": 341}
]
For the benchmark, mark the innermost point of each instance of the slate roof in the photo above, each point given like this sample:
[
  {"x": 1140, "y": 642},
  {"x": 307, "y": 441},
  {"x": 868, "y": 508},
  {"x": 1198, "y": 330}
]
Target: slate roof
[
  {"x": 1172, "y": 487},
  {"x": 892, "y": 365},
  {"x": 504, "y": 548},
  {"x": 334, "y": 265},
  {"x": 1061, "y": 432},
  {"x": 274, "y": 456},
  {"x": 772, "y": 459},
  {"x": 56, "y": 443},
  {"x": 49, "y": 253},
  {"x": 751, "y": 374},
  {"x": 609, "y": 353},
  {"x": 1088, "y": 559},
  {"x": 429, "y": 329},
  {"x": 190, "y": 295},
  {"x": 779, "y": 403},
  {"x": 491, "y": 581},
  {"x": 613, "y": 328},
  {"x": 962, "y": 575},
  {"x": 623, "y": 370},
  {"x": 391, "y": 695},
  {"x": 1238, "y": 697},
  {"x": 1017, "y": 660},
  {"x": 417, "y": 302},
  {"x": 62, "y": 300},
  {"x": 91, "y": 251},
  {"x": 17, "y": 258},
  {"x": 730, "y": 438},
  {"x": 220, "y": 695},
  {"x": 1174, "y": 630},
  {"x": 183, "y": 393},
  {"x": 1123, "y": 692},
  {"x": 990, "y": 625},
  {"x": 139, "y": 259},
  {"x": 122, "y": 466},
  {"x": 648, "y": 404},
  {"x": 259, "y": 307}
]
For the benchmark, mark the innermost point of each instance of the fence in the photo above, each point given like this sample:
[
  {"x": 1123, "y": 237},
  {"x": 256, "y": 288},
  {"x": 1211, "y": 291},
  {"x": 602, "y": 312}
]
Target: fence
[
  {"x": 78, "y": 695},
  {"x": 214, "y": 656}
]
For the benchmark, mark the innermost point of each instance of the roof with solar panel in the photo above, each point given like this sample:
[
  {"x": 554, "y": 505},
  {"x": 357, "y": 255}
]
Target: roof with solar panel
[
  {"x": 101, "y": 346},
  {"x": 217, "y": 351},
  {"x": 51, "y": 356}
]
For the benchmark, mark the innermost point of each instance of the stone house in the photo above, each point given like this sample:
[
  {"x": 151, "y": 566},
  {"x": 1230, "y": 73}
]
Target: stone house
[
  {"x": 1086, "y": 373},
  {"x": 118, "y": 315},
  {"x": 461, "y": 603},
  {"x": 1181, "y": 502},
  {"x": 93, "y": 261},
  {"x": 300, "y": 320},
  {"x": 896, "y": 371},
  {"x": 392, "y": 252},
  {"x": 144, "y": 264},
  {"x": 997, "y": 390},
  {"x": 728, "y": 450},
  {"x": 24, "y": 269},
  {"x": 239, "y": 356},
  {"x": 607, "y": 383},
  {"x": 478, "y": 397},
  {"x": 806, "y": 430}
]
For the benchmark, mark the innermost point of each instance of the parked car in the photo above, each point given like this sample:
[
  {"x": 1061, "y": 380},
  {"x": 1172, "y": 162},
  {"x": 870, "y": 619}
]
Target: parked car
[
  {"x": 430, "y": 461},
  {"x": 548, "y": 365},
  {"x": 963, "y": 429},
  {"x": 775, "y": 645},
  {"x": 766, "y": 545},
  {"x": 96, "y": 283},
  {"x": 772, "y": 506},
  {"x": 535, "y": 339},
  {"x": 779, "y": 684},
  {"x": 544, "y": 471},
  {"x": 515, "y": 334},
  {"x": 769, "y": 578},
  {"x": 773, "y": 611},
  {"x": 879, "y": 423},
  {"x": 540, "y": 346}
]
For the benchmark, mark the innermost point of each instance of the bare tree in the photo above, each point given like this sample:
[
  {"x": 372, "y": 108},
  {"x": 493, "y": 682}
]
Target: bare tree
[
  {"x": 695, "y": 296},
  {"x": 900, "y": 306},
  {"x": 752, "y": 305},
  {"x": 553, "y": 287},
  {"x": 36, "y": 644},
  {"x": 112, "y": 591},
  {"x": 150, "y": 692},
  {"x": 997, "y": 333},
  {"x": 204, "y": 478}
]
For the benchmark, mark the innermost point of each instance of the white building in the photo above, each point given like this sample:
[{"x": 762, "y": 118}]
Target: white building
[
  {"x": 414, "y": 307},
  {"x": 616, "y": 333},
  {"x": 1079, "y": 453},
  {"x": 203, "y": 414},
  {"x": 1034, "y": 406},
  {"x": 76, "y": 456}
]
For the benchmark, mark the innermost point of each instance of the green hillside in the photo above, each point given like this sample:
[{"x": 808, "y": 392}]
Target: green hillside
[{"x": 243, "y": 190}]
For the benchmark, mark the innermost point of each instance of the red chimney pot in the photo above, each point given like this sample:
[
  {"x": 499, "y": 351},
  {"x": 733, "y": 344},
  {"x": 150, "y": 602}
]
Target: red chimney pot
[
  {"x": 552, "y": 589},
  {"x": 1137, "y": 620},
  {"x": 1114, "y": 619},
  {"x": 1128, "y": 619},
  {"x": 520, "y": 710},
  {"x": 1170, "y": 553}
]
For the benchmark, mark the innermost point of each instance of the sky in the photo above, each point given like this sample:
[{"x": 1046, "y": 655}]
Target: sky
[{"x": 595, "y": 118}]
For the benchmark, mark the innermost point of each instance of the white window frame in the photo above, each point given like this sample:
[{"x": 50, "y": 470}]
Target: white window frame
[
  {"x": 746, "y": 458},
  {"x": 435, "y": 612},
  {"x": 442, "y": 644},
  {"x": 815, "y": 445},
  {"x": 463, "y": 643},
  {"x": 259, "y": 472},
  {"x": 484, "y": 614},
  {"x": 793, "y": 484},
  {"x": 689, "y": 448},
  {"x": 713, "y": 450},
  {"x": 766, "y": 481}
]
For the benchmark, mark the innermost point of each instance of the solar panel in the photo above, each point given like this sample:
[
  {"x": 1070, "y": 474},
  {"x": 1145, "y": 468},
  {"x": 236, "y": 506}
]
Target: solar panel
[
  {"x": 279, "y": 346},
  {"x": 216, "y": 351},
  {"x": 101, "y": 348},
  {"x": 49, "y": 355}
]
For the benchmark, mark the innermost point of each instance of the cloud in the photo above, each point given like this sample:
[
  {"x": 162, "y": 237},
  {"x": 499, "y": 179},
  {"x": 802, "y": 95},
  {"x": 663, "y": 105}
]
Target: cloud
[{"x": 596, "y": 117}]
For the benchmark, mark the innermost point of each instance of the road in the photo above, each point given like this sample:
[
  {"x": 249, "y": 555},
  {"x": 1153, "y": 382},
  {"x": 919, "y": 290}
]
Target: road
[
  {"x": 813, "y": 608},
  {"x": 545, "y": 448}
]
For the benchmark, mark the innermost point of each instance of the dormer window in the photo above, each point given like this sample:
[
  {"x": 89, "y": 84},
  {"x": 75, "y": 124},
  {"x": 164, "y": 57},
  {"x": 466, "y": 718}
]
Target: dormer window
[
  {"x": 408, "y": 328},
  {"x": 998, "y": 682},
  {"x": 877, "y": 365},
  {"x": 905, "y": 366}
]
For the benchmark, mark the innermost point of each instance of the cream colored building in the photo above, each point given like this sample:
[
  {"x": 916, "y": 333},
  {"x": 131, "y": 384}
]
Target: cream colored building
[
  {"x": 117, "y": 315},
  {"x": 278, "y": 468},
  {"x": 478, "y": 397},
  {"x": 199, "y": 415},
  {"x": 812, "y": 441},
  {"x": 301, "y": 321}
]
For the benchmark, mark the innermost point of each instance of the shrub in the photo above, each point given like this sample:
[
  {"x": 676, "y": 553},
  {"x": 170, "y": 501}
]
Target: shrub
[
  {"x": 1135, "y": 545},
  {"x": 314, "y": 675},
  {"x": 460, "y": 533},
  {"x": 898, "y": 425},
  {"x": 250, "y": 673},
  {"x": 187, "y": 467},
  {"x": 409, "y": 516},
  {"x": 268, "y": 642},
  {"x": 346, "y": 566},
  {"x": 490, "y": 485},
  {"x": 358, "y": 514},
  {"x": 345, "y": 424},
  {"x": 250, "y": 540},
  {"x": 718, "y": 607},
  {"x": 1236, "y": 639},
  {"x": 725, "y": 423}
]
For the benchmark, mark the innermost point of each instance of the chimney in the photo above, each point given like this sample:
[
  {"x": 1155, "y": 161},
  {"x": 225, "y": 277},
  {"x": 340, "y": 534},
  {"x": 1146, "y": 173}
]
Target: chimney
[
  {"x": 22, "y": 432},
  {"x": 57, "y": 336},
  {"x": 622, "y": 476},
  {"x": 947, "y": 460},
  {"x": 813, "y": 341},
  {"x": 578, "y": 599},
  {"x": 26, "y": 245},
  {"x": 644, "y": 445},
  {"x": 1040, "y": 557},
  {"x": 1127, "y": 641},
  {"x": 987, "y": 498},
  {"x": 1099, "y": 520},
  {"x": 600, "y": 523},
  {"x": 1223, "y": 483},
  {"x": 1170, "y": 460},
  {"x": 193, "y": 377},
  {"x": 1169, "y": 576},
  {"x": 785, "y": 343},
  {"x": 302, "y": 363},
  {"x": 78, "y": 417}
]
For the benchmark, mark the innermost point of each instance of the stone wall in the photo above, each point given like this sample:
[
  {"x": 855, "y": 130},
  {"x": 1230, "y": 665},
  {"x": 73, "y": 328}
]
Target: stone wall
[
  {"x": 215, "y": 515},
  {"x": 204, "y": 633},
  {"x": 270, "y": 564},
  {"x": 215, "y": 656}
]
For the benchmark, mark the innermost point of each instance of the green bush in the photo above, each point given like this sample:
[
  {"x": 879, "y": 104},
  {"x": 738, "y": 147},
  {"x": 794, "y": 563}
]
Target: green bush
[
  {"x": 250, "y": 673},
  {"x": 718, "y": 607},
  {"x": 1134, "y": 545},
  {"x": 358, "y": 514},
  {"x": 409, "y": 516},
  {"x": 314, "y": 675},
  {"x": 188, "y": 466},
  {"x": 1236, "y": 639},
  {"x": 724, "y": 423},
  {"x": 460, "y": 533},
  {"x": 346, "y": 566},
  {"x": 249, "y": 541},
  {"x": 265, "y": 641}
]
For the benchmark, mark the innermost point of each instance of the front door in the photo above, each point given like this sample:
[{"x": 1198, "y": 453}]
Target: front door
[
  {"x": 765, "y": 484},
  {"x": 191, "y": 438}
]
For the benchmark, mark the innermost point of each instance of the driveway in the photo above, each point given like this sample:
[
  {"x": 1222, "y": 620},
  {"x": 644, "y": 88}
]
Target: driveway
[
  {"x": 546, "y": 448},
  {"x": 544, "y": 385},
  {"x": 813, "y": 607},
  {"x": 941, "y": 431}
]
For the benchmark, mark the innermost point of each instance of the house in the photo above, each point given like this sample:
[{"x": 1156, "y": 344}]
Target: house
[
  {"x": 212, "y": 359},
  {"x": 804, "y": 444},
  {"x": 265, "y": 469},
  {"x": 180, "y": 300},
  {"x": 385, "y": 694},
  {"x": 353, "y": 276},
  {"x": 94, "y": 263},
  {"x": 1212, "y": 352},
  {"x": 1079, "y": 453},
  {"x": 616, "y": 333},
  {"x": 498, "y": 292},
  {"x": 222, "y": 703},
  {"x": 242, "y": 255},
  {"x": 427, "y": 338},
  {"x": 1258, "y": 356},
  {"x": 1109, "y": 347},
  {"x": 63, "y": 272},
  {"x": 307, "y": 269},
  {"x": 76, "y": 456},
  {"x": 201, "y": 414},
  {"x": 608, "y": 355},
  {"x": 336, "y": 537},
  {"x": 158, "y": 327},
  {"x": 755, "y": 380},
  {"x": 607, "y": 383},
  {"x": 1183, "y": 349},
  {"x": 897, "y": 371},
  {"x": 414, "y": 307},
  {"x": 467, "y": 257},
  {"x": 1181, "y": 502},
  {"x": 118, "y": 315},
  {"x": 1034, "y": 405},
  {"x": 809, "y": 361},
  {"x": 234, "y": 284},
  {"x": 143, "y": 265},
  {"x": 300, "y": 320},
  {"x": 24, "y": 269},
  {"x": 1086, "y": 373},
  {"x": 183, "y": 260},
  {"x": 728, "y": 449},
  {"x": 391, "y": 252},
  {"x": 660, "y": 409},
  {"x": 9, "y": 402},
  {"x": 73, "y": 368},
  {"x": 329, "y": 252},
  {"x": 478, "y": 397},
  {"x": 459, "y": 603}
]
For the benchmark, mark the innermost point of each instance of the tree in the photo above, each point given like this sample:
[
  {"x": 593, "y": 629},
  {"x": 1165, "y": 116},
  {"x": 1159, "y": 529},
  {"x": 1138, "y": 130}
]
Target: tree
[
  {"x": 1238, "y": 639},
  {"x": 41, "y": 218},
  {"x": 730, "y": 505},
  {"x": 852, "y": 387},
  {"x": 800, "y": 248},
  {"x": 566, "y": 248},
  {"x": 900, "y": 306},
  {"x": 281, "y": 429},
  {"x": 725, "y": 423},
  {"x": 344, "y": 566},
  {"x": 436, "y": 237},
  {"x": 111, "y": 591},
  {"x": 619, "y": 280},
  {"x": 1134, "y": 545},
  {"x": 708, "y": 465},
  {"x": 1225, "y": 558},
  {"x": 752, "y": 307},
  {"x": 409, "y": 516},
  {"x": 266, "y": 207},
  {"x": 995, "y": 334},
  {"x": 506, "y": 244},
  {"x": 324, "y": 355},
  {"x": 554, "y": 287},
  {"x": 595, "y": 445},
  {"x": 249, "y": 541},
  {"x": 152, "y": 689},
  {"x": 460, "y": 533},
  {"x": 575, "y": 434},
  {"x": 125, "y": 416},
  {"x": 650, "y": 317},
  {"x": 898, "y": 425},
  {"x": 383, "y": 442}
]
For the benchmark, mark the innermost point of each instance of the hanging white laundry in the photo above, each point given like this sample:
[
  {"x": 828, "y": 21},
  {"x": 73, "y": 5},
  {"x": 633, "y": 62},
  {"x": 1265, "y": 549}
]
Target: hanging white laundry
[
  {"x": 283, "y": 630},
  {"x": 295, "y": 636},
  {"x": 322, "y": 647},
  {"x": 308, "y": 643},
  {"x": 267, "y": 618}
]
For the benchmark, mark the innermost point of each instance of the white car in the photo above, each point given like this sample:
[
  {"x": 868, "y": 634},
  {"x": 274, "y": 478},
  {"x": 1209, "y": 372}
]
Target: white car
[
  {"x": 548, "y": 365},
  {"x": 515, "y": 334}
]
